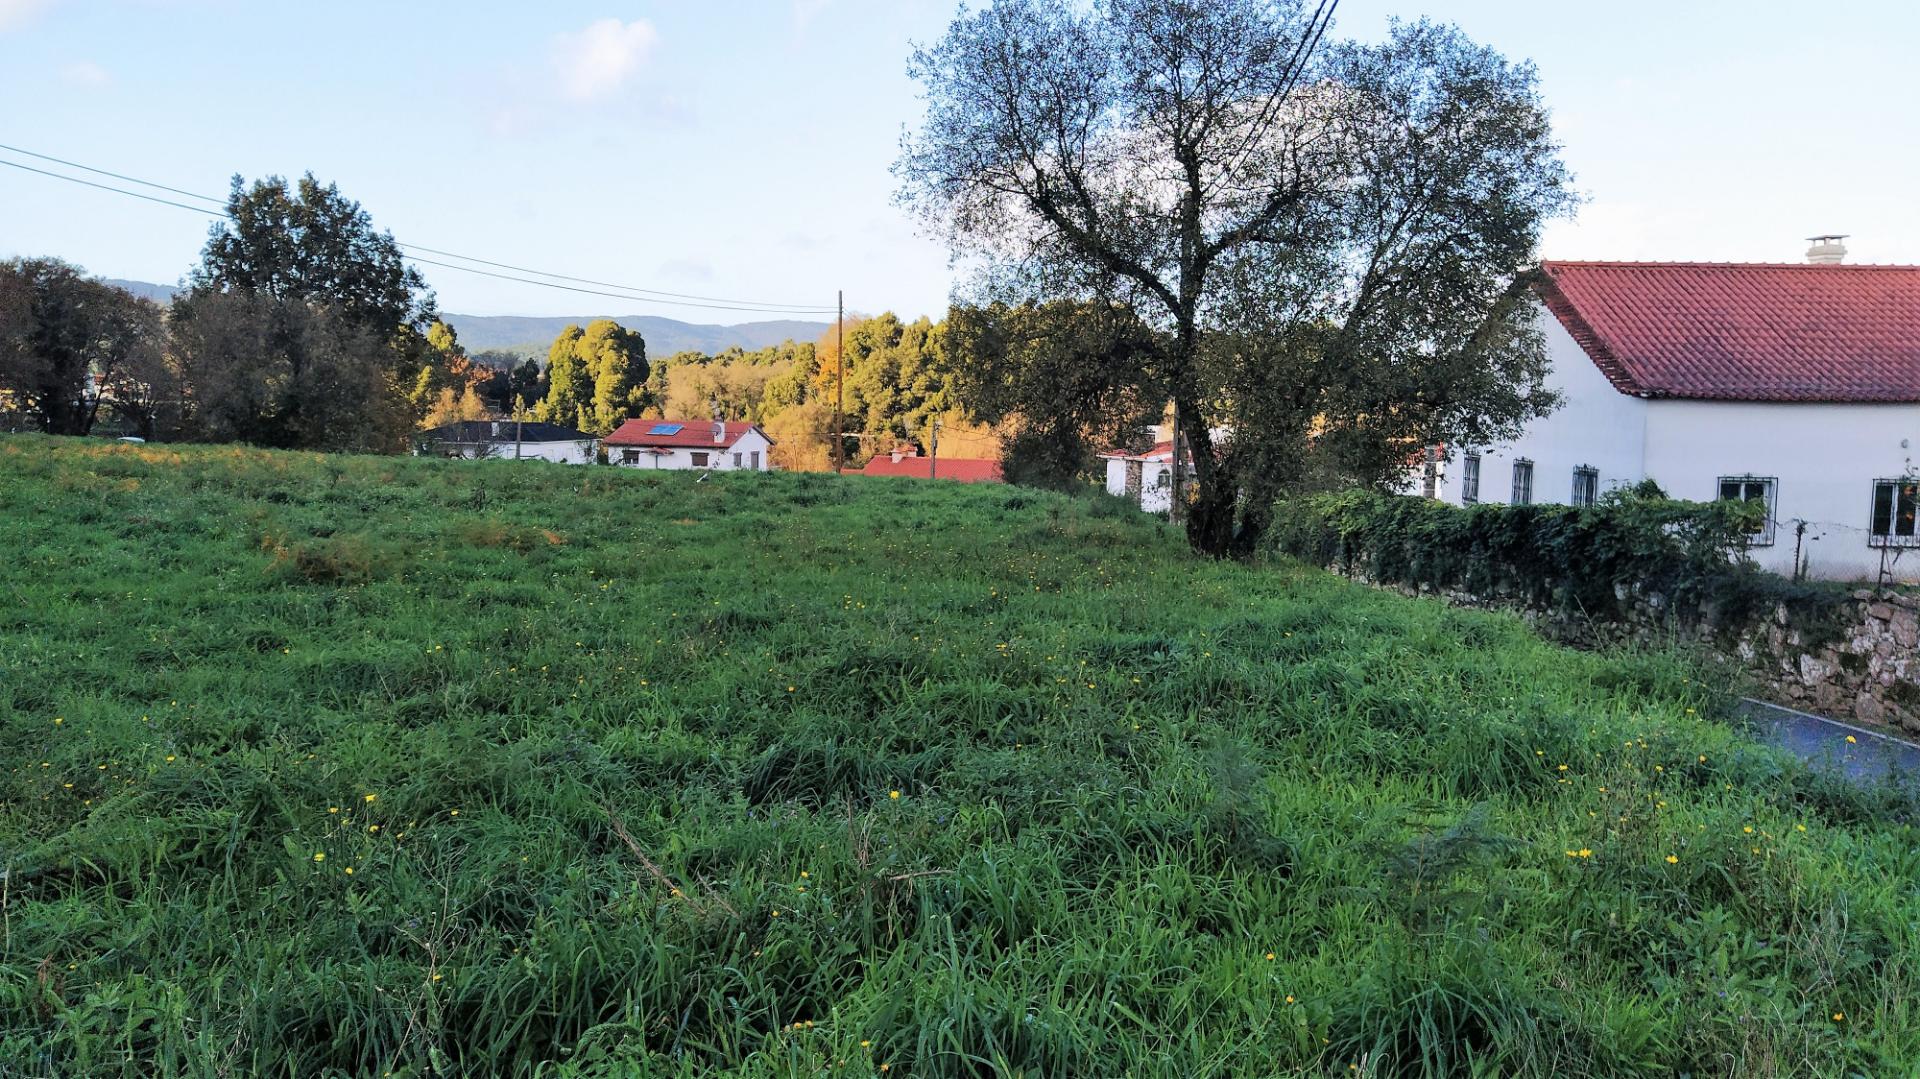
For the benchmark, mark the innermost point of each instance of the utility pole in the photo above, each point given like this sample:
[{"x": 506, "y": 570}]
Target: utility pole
[
  {"x": 933, "y": 460},
  {"x": 839, "y": 381}
]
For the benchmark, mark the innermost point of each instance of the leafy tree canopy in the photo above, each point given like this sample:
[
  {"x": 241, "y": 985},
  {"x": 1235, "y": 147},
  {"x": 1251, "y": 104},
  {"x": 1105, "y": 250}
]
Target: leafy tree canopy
[{"x": 1306, "y": 225}]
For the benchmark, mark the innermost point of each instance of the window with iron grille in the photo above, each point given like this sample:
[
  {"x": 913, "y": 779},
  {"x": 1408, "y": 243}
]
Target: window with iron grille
[
  {"x": 1894, "y": 506},
  {"x": 1522, "y": 483},
  {"x": 1761, "y": 489},
  {"x": 1586, "y": 485},
  {"x": 1470, "y": 479},
  {"x": 629, "y": 457}
]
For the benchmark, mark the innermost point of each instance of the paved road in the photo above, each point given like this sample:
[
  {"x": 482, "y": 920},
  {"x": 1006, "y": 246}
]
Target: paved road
[{"x": 1869, "y": 758}]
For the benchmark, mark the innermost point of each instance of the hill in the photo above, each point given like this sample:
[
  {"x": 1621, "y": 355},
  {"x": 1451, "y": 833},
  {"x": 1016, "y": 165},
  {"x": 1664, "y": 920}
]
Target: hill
[
  {"x": 144, "y": 289},
  {"x": 346, "y": 765},
  {"x": 531, "y": 335},
  {"x": 664, "y": 336}
]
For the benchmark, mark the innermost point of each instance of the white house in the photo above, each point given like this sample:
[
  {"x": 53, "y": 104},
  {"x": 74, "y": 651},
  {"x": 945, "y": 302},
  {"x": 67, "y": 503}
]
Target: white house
[
  {"x": 1793, "y": 384},
  {"x": 691, "y": 444},
  {"x": 1146, "y": 478},
  {"x": 506, "y": 439}
]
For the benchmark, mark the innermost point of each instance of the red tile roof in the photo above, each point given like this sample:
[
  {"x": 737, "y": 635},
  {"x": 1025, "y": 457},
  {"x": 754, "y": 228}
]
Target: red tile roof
[
  {"x": 963, "y": 469},
  {"x": 1161, "y": 451},
  {"x": 1744, "y": 331},
  {"x": 693, "y": 434}
]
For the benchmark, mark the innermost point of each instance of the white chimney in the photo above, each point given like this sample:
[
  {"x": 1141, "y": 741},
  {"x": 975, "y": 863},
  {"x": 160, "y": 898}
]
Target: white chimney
[
  {"x": 896, "y": 455},
  {"x": 1827, "y": 250},
  {"x": 719, "y": 432}
]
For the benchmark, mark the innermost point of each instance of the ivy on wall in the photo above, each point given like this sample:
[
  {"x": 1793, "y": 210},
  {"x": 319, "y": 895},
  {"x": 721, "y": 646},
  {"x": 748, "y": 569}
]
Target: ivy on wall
[{"x": 1594, "y": 561}]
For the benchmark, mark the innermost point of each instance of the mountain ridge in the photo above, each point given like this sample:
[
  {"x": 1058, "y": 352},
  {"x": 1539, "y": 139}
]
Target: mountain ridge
[{"x": 532, "y": 334}]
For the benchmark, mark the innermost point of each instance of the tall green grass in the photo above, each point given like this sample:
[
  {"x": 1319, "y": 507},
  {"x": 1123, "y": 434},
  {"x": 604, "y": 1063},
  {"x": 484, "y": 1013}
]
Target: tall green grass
[{"x": 785, "y": 775}]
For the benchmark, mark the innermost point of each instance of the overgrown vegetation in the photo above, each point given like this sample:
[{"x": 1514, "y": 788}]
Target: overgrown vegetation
[
  {"x": 1593, "y": 561},
  {"x": 514, "y": 769}
]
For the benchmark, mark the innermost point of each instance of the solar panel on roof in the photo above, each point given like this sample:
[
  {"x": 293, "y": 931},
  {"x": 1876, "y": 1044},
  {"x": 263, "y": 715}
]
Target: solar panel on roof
[{"x": 665, "y": 429}]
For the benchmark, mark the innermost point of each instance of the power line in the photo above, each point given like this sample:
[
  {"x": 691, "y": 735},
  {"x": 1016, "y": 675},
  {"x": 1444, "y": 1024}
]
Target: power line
[{"x": 640, "y": 295}]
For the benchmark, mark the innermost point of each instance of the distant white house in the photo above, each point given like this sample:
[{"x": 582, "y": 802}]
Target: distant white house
[
  {"x": 1795, "y": 385},
  {"x": 506, "y": 439},
  {"x": 686, "y": 444},
  {"x": 1145, "y": 478}
]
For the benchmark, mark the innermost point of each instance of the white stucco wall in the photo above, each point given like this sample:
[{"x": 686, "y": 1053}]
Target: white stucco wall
[
  {"x": 1156, "y": 483},
  {"x": 567, "y": 453},
  {"x": 1596, "y": 426},
  {"x": 1824, "y": 459},
  {"x": 719, "y": 458}
]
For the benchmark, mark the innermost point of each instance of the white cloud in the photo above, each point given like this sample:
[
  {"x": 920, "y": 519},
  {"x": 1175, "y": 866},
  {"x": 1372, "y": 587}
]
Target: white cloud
[
  {"x": 85, "y": 73},
  {"x": 598, "y": 60},
  {"x": 16, "y": 12}
]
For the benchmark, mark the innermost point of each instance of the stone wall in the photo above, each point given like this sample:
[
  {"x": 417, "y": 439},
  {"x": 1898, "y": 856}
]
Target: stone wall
[{"x": 1861, "y": 664}]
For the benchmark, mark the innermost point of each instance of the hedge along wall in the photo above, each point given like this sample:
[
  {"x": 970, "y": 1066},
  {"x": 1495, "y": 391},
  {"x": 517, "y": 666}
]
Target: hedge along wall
[{"x": 1636, "y": 567}]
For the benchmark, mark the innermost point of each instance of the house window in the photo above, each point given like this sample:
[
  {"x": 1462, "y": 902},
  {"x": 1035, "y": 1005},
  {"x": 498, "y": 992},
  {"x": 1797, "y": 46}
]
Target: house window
[
  {"x": 1894, "y": 505},
  {"x": 629, "y": 457},
  {"x": 1470, "y": 479},
  {"x": 1759, "y": 489},
  {"x": 1522, "y": 483},
  {"x": 699, "y": 458},
  {"x": 736, "y": 460},
  {"x": 1586, "y": 485},
  {"x": 753, "y": 459}
]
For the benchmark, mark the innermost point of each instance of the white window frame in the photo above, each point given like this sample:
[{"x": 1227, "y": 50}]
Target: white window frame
[
  {"x": 1892, "y": 537},
  {"x": 1592, "y": 493},
  {"x": 1522, "y": 493},
  {"x": 1470, "y": 479},
  {"x": 1770, "y": 498}
]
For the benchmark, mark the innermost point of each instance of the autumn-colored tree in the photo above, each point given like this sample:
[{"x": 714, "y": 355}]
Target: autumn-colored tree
[{"x": 802, "y": 437}]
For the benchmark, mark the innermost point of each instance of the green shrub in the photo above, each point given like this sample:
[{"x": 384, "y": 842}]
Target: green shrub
[{"x": 1595, "y": 561}]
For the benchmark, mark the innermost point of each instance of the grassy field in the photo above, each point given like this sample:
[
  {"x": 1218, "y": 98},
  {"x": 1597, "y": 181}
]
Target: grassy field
[{"x": 354, "y": 766}]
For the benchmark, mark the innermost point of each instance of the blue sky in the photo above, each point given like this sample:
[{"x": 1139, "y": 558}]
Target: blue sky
[{"x": 740, "y": 148}]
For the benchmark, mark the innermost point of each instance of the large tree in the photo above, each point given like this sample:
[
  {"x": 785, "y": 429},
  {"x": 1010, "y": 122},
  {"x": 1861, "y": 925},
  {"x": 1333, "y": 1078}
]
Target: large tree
[
  {"x": 339, "y": 310},
  {"x": 596, "y": 377},
  {"x": 286, "y": 374},
  {"x": 1252, "y": 193},
  {"x": 70, "y": 345},
  {"x": 308, "y": 243}
]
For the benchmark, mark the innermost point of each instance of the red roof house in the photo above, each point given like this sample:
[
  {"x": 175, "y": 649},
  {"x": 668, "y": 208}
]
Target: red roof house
[
  {"x": 716, "y": 444},
  {"x": 907, "y": 461},
  {"x": 1793, "y": 385}
]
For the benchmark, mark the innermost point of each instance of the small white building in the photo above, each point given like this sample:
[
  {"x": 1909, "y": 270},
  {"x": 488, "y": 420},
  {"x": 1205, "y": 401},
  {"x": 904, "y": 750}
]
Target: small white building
[
  {"x": 683, "y": 444},
  {"x": 1796, "y": 385},
  {"x": 508, "y": 439},
  {"x": 1145, "y": 478}
]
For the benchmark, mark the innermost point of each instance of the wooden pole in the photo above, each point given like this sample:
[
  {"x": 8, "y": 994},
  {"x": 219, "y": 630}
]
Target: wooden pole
[{"x": 839, "y": 383}]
